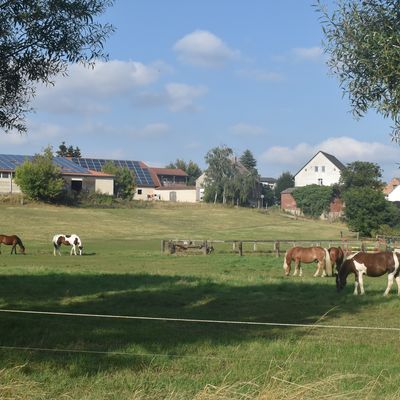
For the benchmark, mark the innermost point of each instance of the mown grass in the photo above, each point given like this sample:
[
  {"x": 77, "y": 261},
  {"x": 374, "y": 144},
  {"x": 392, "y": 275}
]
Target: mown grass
[{"x": 124, "y": 273}]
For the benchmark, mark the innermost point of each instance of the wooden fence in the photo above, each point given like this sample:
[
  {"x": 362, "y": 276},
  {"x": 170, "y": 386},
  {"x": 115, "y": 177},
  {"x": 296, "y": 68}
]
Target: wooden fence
[{"x": 277, "y": 247}]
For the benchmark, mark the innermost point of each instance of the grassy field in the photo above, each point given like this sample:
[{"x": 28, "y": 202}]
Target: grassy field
[{"x": 124, "y": 273}]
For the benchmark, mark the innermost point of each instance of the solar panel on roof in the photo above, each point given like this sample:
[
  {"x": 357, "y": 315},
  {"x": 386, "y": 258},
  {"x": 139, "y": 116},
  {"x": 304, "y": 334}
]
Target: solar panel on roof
[{"x": 142, "y": 175}]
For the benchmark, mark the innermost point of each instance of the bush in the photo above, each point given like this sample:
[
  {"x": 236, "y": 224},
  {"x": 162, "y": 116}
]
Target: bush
[{"x": 313, "y": 200}]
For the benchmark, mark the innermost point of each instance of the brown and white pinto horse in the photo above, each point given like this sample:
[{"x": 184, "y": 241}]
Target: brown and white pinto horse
[
  {"x": 336, "y": 255},
  {"x": 308, "y": 255},
  {"x": 69, "y": 240},
  {"x": 370, "y": 264},
  {"x": 13, "y": 241}
]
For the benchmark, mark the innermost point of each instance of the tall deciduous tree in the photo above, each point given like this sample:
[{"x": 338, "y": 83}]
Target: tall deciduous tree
[
  {"x": 219, "y": 174},
  {"x": 40, "y": 179},
  {"x": 361, "y": 174},
  {"x": 363, "y": 42},
  {"x": 38, "y": 39}
]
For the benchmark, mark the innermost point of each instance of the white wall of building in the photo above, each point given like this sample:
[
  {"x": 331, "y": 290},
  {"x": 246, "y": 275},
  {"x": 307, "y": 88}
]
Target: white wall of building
[
  {"x": 104, "y": 185},
  {"x": 319, "y": 171},
  {"x": 178, "y": 195},
  {"x": 394, "y": 195}
]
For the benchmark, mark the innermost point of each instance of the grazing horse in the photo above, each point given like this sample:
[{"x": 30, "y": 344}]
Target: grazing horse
[
  {"x": 336, "y": 255},
  {"x": 13, "y": 240},
  {"x": 308, "y": 255},
  {"x": 69, "y": 240},
  {"x": 370, "y": 264}
]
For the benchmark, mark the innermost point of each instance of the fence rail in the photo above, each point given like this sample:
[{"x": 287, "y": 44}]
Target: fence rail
[{"x": 277, "y": 247}]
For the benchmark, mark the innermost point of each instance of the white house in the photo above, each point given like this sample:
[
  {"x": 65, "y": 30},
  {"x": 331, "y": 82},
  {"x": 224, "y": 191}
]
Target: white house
[
  {"x": 323, "y": 169},
  {"x": 394, "y": 195}
]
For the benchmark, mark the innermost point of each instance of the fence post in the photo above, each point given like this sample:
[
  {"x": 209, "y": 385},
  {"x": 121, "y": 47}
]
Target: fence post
[
  {"x": 205, "y": 248},
  {"x": 255, "y": 246},
  {"x": 240, "y": 248},
  {"x": 162, "y": 246},
  {"x": 277, "y": 248}
]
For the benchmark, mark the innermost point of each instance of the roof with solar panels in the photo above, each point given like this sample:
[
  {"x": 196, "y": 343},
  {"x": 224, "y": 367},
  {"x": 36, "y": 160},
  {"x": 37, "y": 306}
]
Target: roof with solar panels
[
  {"x": 145, "y": 176},
  {"x": 8, "y": 163}
]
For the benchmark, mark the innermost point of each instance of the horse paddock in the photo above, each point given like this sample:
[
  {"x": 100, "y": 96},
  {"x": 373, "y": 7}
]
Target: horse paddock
[{"x": 288, "y": 337}]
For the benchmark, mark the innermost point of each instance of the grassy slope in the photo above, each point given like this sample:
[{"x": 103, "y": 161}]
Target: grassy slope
[{"x": 124, "y": 273}]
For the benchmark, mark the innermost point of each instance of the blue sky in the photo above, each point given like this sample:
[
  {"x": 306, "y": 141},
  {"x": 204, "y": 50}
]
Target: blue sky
[{"x": 186, "y": 76}]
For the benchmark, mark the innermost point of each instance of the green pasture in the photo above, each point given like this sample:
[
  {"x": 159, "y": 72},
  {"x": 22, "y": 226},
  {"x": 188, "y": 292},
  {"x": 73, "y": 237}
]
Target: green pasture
[{"x": 123, "y": 273}]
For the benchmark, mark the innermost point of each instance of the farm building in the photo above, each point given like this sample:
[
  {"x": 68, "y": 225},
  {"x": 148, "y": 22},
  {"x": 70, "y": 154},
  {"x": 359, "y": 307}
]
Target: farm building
[
  {"x": 167, "y": 184},
  {"x": 391, "y": 190},
  {"x": 268, "y": 182},
  {"x": 322, "y": 169},
  {"x": 76, "y": 177}
]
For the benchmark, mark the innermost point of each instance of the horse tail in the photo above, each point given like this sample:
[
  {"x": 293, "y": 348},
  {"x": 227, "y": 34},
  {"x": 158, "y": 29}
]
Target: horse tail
[{"x": 328, "y": 263}]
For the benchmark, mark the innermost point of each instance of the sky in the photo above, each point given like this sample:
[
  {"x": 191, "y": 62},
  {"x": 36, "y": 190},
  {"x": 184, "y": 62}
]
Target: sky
[{"x": 185, "y": 76}]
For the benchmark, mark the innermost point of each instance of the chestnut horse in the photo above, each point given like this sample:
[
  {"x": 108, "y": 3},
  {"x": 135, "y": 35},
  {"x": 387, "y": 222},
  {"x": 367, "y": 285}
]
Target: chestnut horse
[
  {"x": 370, "y": 264},
  {"x": 69, "y": 240},
  {"x": 308, "y": 255},
  {"x": 13, "y": 241},
  {"x": 336, "y": 255}
]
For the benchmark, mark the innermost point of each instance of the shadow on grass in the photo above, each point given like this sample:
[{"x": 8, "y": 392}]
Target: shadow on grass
[{"x": 285, "y": 301}]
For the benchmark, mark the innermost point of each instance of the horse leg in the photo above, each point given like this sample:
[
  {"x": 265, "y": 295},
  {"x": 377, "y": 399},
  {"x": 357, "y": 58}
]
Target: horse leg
[
  {"x": 390, "y": 283},
  {"x": 73, "y": 250},
  {"x": 14, "y": 248},
  {"x": 398, "y": 285},
  {"x": 356, "y": 284},
  {"x": 300, "y": 269},
  {"x": 361, "y": 282},
  {"x": 296, "y": 267}
]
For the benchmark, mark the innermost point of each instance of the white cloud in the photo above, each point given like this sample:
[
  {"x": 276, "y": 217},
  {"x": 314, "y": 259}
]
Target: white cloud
[
  {"x": 243, "y": 129},
  {"x": 175, "y": 96},
  {"x": 308, "y": 53},
  {"x": 204, "y": 49},
  {"x": 344, "y": 148},
  {"x": 84, "y": 89}
]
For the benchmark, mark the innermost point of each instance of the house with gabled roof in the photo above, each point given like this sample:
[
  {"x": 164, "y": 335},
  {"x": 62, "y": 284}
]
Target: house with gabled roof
[
  {"x": 322, "y": 169},
  {"x": 152, "y": 183},
  {"x": 76, "y": 177}
]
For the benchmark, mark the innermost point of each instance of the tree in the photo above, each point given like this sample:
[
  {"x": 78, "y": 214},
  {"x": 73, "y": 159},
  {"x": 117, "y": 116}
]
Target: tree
[
  {"x": 367, "y": 210},
  {"x": 64, "y": 151},
  {"x": 362, "y": 42},
  {"x": 361, "y": 174},
  {"x": 219, "y": 173},
  {"x": 248, "y": 160},
  {"x": 285, "y": 181},
  {"x": 38, "y": 40},
  {"x": 191, "y": 168},
  {"x": 40, "y": 179},
  {"x": 124, "y": 180}
]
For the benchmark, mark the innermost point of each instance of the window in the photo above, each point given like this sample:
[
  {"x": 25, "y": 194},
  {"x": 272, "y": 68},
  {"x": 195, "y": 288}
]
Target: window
[
  {"x": 4, "y": 175},
  {"x": 139, "y": 191},
  {"x": 323, "y": 168},
  {"x": 76, "y": 185},
  {"x": 320, "y": 181},
  {"x": 315, "y": 169}
]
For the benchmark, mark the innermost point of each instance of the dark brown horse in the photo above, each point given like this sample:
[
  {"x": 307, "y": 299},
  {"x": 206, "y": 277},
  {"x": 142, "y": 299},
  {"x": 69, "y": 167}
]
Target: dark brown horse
[
  {"x": 13, "y": 241},
  {"x": 370, "y": 264},
  {"x": 336, "y": 255},
  {"x": 308, "y": 255}
]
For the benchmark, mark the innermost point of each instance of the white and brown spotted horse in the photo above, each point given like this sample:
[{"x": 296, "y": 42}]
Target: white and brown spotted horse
[
  {"x": 69, "y": 240},
  {"x": 370, "y": 264}
]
